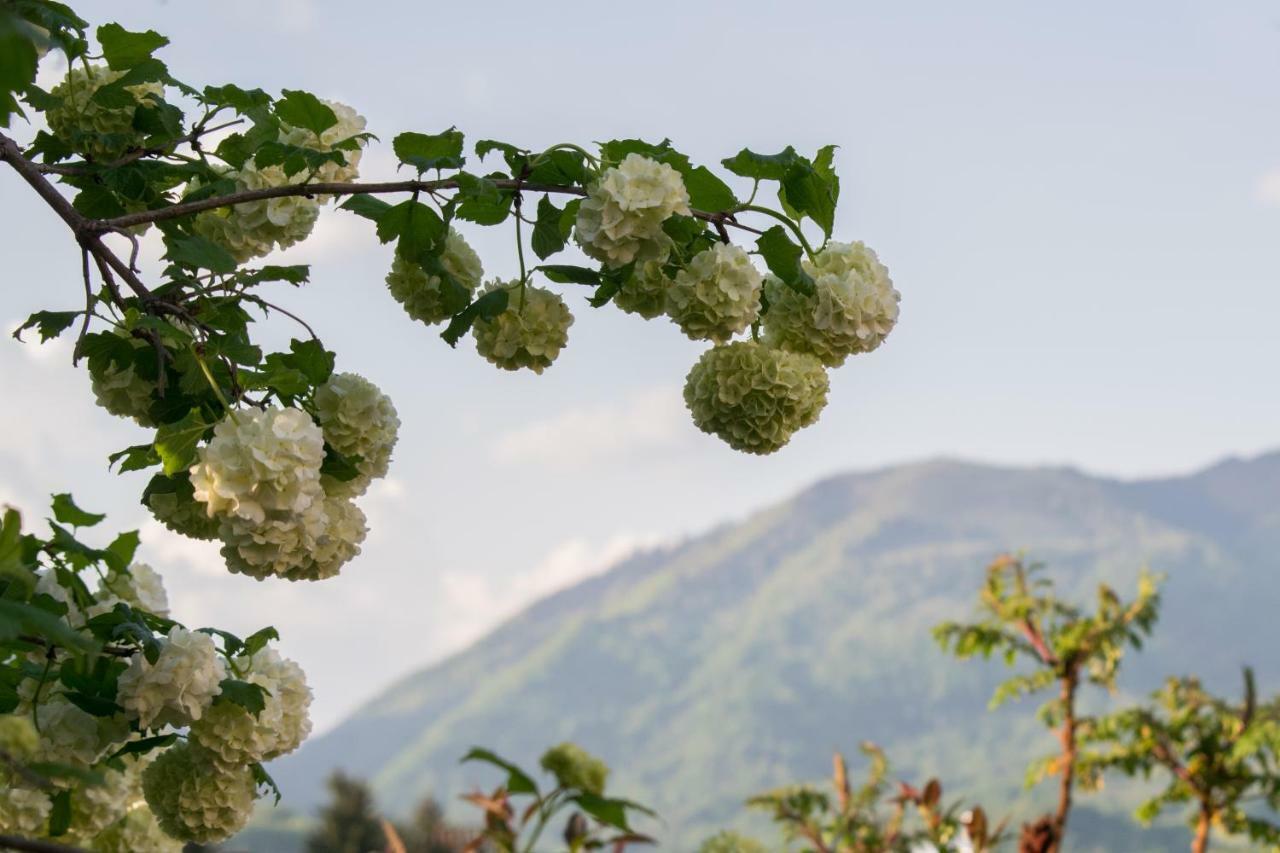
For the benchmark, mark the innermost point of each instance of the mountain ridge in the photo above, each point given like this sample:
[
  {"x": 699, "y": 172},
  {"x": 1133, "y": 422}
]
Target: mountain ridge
[{"x": 762, "y": 644}]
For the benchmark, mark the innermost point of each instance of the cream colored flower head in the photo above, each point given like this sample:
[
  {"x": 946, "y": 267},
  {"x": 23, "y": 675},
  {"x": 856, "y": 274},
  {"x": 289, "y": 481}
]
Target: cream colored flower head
[
  {"x": 234, "y": 736},
  {"x": 141, "y": 586},
  {"x": 717, "y": 295},
  {"x": 421, "y": 293},
  {"x": 89, "y": 128},
  {"x": 853, "y": 308},
  {"x": 179, "y": 687},
  {"x": 621, "y": 218},
  {"x": 753, "y": 396},
  {"x": 529, "y": 333},
  {"x": 71, "y": 736},
  {"x": 252, "y": 229},
  {"x": 136, "y": 832},
  {"x": 121, "y": 391},
  {"x": 262, "y": 461},
  {"x": 358, "y": 420},
  {"x": 350, "y": 123},
  {"x": 311, "y": 546},
  {"x": 645, "y": 291},
  {"x": 24, "y": 811},
  {"x": 195, "y": 798}
]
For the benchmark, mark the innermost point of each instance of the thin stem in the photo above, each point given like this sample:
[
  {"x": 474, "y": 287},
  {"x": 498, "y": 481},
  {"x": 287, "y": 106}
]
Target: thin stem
[
  {"x": 208, "y": 375},
  {"x": 767, "y": 211}
]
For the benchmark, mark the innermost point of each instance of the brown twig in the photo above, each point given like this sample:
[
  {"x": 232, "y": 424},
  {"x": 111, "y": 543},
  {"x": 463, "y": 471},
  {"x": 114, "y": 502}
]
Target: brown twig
[{"x": 32, "y": 845}]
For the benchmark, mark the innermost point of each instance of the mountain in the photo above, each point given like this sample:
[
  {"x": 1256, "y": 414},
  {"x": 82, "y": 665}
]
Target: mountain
[{"x": 739, "y": 659}]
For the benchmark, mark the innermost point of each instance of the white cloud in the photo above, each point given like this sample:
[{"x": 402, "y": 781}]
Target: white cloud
[
  {"x": 481, "y": 603},
  {"x": 646, "y": 420},
  {"x": 1267, "y": 190}
]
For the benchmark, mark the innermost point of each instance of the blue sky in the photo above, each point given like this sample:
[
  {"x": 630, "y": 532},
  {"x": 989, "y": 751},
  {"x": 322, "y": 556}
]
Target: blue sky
[{"x": 1078, "y": 203}]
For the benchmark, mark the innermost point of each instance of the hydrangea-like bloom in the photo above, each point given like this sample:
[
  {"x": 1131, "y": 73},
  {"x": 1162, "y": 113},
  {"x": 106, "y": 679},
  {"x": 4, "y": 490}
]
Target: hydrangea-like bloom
[
  {"x": 755, "y": 396},
  {"x": 140, "y": 587},
  {"x": 179, "y": 687},
  {"x": 717, "y": 295},
  {"x": 232, "y": 735},
  {"x": 621, "y": 218},
  {"x": 357, "y": 420},
  {"x": 853, "y": 308},
  {"x": 74, "y": 737},
  {"x": 349, "y": 124},
  {"x": 311, "y": 546},
  {"x": 179, "y": 511},
  {"x": 95, "y": 807},
  {"x": 195, "y": 798},
  {"x": 529, "y": 333},
  {"x": 645, "y": 291},
  {"x": 261, "y": 461},
  {"x": 122, "y": 392},
  {"x": 18, "y": 738},
  {"x": 420, "y": 292},
  {"x": 253, "y": 228},
  {"x": 24, "y": 811},
  {"x": 136, "y": 832},
  {"x": 574, "y": 767},
  {"x": 103, "y": 133},
  {"x": 47, "y": 584}
]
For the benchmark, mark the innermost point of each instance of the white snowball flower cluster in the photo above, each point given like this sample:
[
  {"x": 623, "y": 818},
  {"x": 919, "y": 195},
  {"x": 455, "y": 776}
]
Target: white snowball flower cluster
[
  {"x": 260, "y": 462},
  {"x": 311, "y": 546},
  {"x": 102, "y": 133},
  {"x": 121, "y": 391},
  {"x": 754, "y": 396},
  {"x": 24, "y": 811},
  {"x": 232, "y": 735},
  {"x": 645, "y": 291},
  {"x": 95, "y": 807},
  {"x": 195, "y": 798},
  {"x": 349, "y": 124},
  {"x": 529, "y": 333},
  {"x": 179, "y": 687},
  {"x": 360, "y": 421},
  {"x": 621, "y": 218},
  {"x": 853, "y": 308},
  {"x": 420, "y": 292},
  {"x": 71, "y": 736},
  {"x": 141, "y": 586},
  {"x": 717, "y": 295},
  {"x": 136, "y": 832},
  {"x": 253, "y": 228}
]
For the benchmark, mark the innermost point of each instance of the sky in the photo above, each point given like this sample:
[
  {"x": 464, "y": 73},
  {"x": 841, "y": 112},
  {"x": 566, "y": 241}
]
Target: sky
[{"x": 1078, "y": 202}]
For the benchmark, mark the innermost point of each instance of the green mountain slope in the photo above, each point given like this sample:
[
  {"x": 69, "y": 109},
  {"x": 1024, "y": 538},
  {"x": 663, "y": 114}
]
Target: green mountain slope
[{"x": 740, "y": 659}]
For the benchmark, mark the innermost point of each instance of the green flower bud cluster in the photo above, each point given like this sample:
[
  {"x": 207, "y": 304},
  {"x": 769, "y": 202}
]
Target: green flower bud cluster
[
  {"x": 195, "y": 798},
  {"x": 421, "y": 293},
  {"x": 529, "y": 333},
  {"x": 717, "y": 295},
  {"x": 91, "y": 129},
  {"x": 755, "y": 396},
  {"x": 575, "y": 768}
]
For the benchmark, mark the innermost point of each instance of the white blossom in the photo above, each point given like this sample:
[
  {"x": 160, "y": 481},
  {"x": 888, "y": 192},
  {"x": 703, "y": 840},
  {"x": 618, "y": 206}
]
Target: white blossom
[
  {"x": 309, "y": 546},
  {"x": 717, "y": 295},
  {"x": 350, "y": 123},
  {"x": 195, "y": 798},
  {"x": 529, "y": 333},
  {"x": 71, "y": 736},
  {"x": 24, "y": 811},
  {"x": 421, "y": 293},
  {"x": 91, "y": 129},
  {"x": 357, "y": 420},
  {"x": 136, "y": 832},
  {"x": 252, "y": 229},
  {"x": 179, "y": 687},
  {"x": 621, "y": 218},
  {"x": 141, "y": 586},
  {"x": 233, "y": 735}
]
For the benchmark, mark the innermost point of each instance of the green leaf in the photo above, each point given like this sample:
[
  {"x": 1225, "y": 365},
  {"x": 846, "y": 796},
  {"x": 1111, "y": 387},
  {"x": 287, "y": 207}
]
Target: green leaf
[
  {"x": 417, "y": 226},
  {"x": 616, "y": 150},
  {"x": 367, "y": 206},
  {"x": 484, "y": 146},
  {"x": 337, "y": 466},
  {"x": 783, "y": 258},
  {"x": 263, "y": 780},
  {"x": 145, "y": 745},
  {"x": 97, "y": 706},
  {"x": 707, "y": 192},
  {"x": 60, "y": 815},
  {"x": 66, "y": 511},
  {"x": 252, "y": 697},
  {"x": 136, "y": 458},
  {"x": 305, "y": 110},
  {"x": 481, "y": 200},
  {"x": 812, "y": 193},
  {"x": 766, "y": 167},
  {"x": 315, "y": 362},
  {"x": 426, "y": 151},
  {"x": 297, "y": 274},
  {"x": 17, "y": 618},
  {"x": 18, "y": 62},
  {"x": 518, "y": 782},
  {"x": 258, "y": 640},
  {"x": 547, "y": 239},
  {"x": 568, "y": 274},
  {"x": 125, "y": 49},
  {"x": 196, "y": 252},
  {"x": 240, "y": 100},
  {"x": 176, "y": 442},
  {"x": 50, "y": 324},
  {"x": 608, "y": 811},
  {"x": 488, "y": 306},
  {"x": 122, "y": 550}
]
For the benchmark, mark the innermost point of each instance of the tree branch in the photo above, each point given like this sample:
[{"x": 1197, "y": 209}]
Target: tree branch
[{"x": 31, "y": 845}]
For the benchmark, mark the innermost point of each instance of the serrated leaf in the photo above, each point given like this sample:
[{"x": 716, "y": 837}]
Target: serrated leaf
[
  {"x": 547, "y": 239},
  {"x": 569, "y": 274},
  {"x": 367, "y": 206},
  {"x": 487, "y": 306},
  {"x": 136, "y": 458},
  {"x": 305, "y": 110},
  {"x": 176, "y": 442},
  {"x": 416, "y": 226},
  {"x": 258, "y": 640},
  {"x": 518, "y": 782},
  {"x": 782, "y": 256},
  {"x": 240, "y": 100},
  {"x": 310, "y": 357},
  {"x": 426, "y": 151},
  {"x": 337, "y": 466},
  {"x": 145, "y": 745},
  {"x": 50, "y": 324},
  {"x": 262, "y": 779},
  {"x": 707, "y": 192},
  {"x": 66, "y": 511},
  {"x": 125, "y": 49},
  {"x": 768, "y": 167},
  {"x": 122, "y": 550},
  {"x": 196, "y": 252},
  {"x": 252, "y": 697}
]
